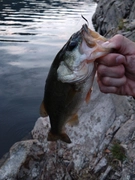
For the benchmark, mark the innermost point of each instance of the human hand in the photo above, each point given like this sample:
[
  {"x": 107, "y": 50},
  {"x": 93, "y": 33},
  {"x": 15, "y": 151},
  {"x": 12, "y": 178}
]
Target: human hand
[{"x": 116, "y": 71}]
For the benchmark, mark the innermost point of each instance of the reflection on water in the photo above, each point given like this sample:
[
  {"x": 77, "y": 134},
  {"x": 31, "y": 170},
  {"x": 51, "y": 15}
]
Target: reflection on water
[{"x": 31, "y": 33}]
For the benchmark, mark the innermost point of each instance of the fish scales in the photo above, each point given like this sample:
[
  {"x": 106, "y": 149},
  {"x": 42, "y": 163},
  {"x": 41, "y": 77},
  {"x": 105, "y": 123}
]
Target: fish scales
[{"x": 70, "y": 80}]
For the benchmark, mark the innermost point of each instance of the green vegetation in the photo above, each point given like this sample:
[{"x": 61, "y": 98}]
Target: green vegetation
[
  {"x": 118, "y": 152},
  {"x": 121, "y": 24}
]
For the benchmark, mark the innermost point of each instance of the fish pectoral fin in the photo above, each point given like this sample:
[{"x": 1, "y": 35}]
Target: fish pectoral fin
[
  {"x": 62, "y": 136},
  {"x": 87, "y": 99},
  {"x": 73, "y": 120},
  {"x": 43, "y": 112}
]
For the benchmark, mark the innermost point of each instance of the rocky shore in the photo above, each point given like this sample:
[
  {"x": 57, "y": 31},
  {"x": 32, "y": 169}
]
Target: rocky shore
[
  {"x": 115, "y": 16},
  {"x": 103, "y": 144}
]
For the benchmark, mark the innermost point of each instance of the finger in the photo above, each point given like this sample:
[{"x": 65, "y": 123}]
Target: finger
[
  {"x": 121, "y": 44},
  {"x": 117, "y": 82},
  {"x": 106, "y": 89},
  {"x": 112, "y": 59},
  {"x": 114, "y": 72}
]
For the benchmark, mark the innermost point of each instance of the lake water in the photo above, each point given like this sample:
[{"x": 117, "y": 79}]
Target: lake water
[{"x": 31, "y": 33}]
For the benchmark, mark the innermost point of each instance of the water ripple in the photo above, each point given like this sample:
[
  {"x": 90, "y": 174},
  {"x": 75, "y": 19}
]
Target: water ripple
[
  {"x": 17, "y": 17},
  {"x": 31, "y": 33}
]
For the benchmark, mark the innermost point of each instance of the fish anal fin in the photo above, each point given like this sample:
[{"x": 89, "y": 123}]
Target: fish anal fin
[
  {"x": 73, "y": 121},
  {"x": 62, "y": 136},
  {"x": 43, "y": 112},
  {"x": 87, "y": 99}
]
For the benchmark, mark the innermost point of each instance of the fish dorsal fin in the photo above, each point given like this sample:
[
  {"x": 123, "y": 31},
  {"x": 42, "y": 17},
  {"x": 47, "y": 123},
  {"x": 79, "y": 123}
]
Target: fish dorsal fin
[
  {"x": 43, "y": 112},
  {"x": 73, "y": 120},
  {"x": 88, "y": 95}
]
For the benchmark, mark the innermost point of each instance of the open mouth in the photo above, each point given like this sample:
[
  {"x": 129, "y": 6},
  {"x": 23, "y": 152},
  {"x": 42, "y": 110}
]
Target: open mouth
[
  {"x": 85, "y": 28},
  {"x": 92, "y": 44}
]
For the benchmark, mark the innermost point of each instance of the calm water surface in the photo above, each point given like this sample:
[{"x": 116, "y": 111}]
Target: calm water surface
[{"x": 31, "y": 33}]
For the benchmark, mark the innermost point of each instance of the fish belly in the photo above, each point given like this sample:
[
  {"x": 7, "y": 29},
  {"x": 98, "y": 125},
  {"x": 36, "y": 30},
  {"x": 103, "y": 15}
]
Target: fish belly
[{"x": 62, "y": 102}]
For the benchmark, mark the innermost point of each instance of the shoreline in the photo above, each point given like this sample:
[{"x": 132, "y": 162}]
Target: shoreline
[{"x": 106, "y": 123}]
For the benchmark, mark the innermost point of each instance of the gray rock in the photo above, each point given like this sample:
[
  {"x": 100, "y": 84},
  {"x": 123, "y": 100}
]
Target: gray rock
[
  {"x": 126, "y": 132},
  {"x": 106, "y": 118},
  {"x": 102, "y": 163},
  {"x": 110, "y": 16},
  {"x": 132, "y": 12},
  {"x": 105, "y": 174},
  {"x": 40, "y": 159},
  {"x": 19, "y": 155}
]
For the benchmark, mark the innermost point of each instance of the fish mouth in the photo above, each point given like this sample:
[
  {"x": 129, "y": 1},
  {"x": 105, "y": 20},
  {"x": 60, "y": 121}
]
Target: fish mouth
[
  {"x": 86, "y": 34},
  {"x": 85, "y": 28},
  {"x": 91, "y": 37},
  {"x": 92, "y": 44}
]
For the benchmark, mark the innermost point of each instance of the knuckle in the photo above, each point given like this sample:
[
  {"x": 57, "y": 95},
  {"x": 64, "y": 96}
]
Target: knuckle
[
  {"x": 102, "y": 89},
  {"x": 124, "y": 80},
  {"x": 121, "y": 70},
  {"x": 101, "y": 69},
  {"x": 119, "y": 37},
  {"x": 106, "y": 81},
  {"x": 118, "y": 40}
]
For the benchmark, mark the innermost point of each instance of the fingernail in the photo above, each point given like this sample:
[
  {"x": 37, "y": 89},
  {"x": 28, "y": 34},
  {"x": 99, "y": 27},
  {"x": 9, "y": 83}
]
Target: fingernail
[
  {"x": 107, "y": 44},
  {"x": 120, "y": 59}
]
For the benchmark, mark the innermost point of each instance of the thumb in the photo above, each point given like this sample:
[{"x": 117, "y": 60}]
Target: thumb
[{"x": 120, "y": 44}]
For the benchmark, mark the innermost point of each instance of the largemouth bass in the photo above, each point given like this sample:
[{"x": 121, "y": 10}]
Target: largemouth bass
[{"x": 70, "y": 80}]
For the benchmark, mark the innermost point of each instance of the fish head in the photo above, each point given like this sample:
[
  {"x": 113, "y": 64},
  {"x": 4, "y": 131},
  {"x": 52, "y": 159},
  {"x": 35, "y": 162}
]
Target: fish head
[
  {"x": 79, "y": 54},
  {"x": 72, "y": 55}
]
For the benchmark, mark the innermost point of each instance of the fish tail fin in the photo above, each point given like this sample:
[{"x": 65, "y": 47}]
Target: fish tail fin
[{"x": 62, "y": 136}]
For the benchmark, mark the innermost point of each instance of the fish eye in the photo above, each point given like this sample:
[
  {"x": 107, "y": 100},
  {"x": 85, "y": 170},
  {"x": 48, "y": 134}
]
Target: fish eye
[{"x": 72, "y": 45}]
